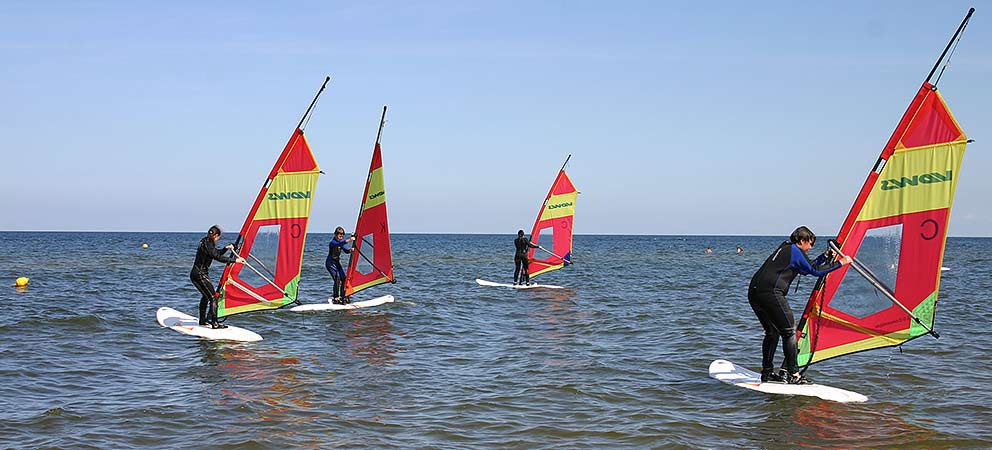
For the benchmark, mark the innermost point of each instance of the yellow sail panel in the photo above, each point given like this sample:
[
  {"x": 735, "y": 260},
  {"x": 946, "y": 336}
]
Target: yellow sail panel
[
  {"x": 376, "y": 190},
  {"x": 289, "y": 195},
  {"x": 562, "y": 205},
  {"x": 915, "y": 180}
]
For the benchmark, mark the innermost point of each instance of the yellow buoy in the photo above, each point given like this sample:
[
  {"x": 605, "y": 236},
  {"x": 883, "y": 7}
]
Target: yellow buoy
[
  {"x": 21, "y": 282},
  {"x": 144, "y": 245}
]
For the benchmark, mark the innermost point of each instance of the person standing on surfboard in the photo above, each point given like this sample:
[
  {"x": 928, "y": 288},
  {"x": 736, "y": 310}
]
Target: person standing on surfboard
[
  {"x": 333, "y": 265},
  {"x": 520, "y": 260},
  {"x": 200, "y": 275},
  {"x": 767, "y": 292}
]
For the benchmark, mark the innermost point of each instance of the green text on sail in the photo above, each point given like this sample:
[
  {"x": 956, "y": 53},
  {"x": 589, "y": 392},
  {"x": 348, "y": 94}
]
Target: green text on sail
[
  {"x": 926, "y": 178},
  {"x": 288, "y": 195}
]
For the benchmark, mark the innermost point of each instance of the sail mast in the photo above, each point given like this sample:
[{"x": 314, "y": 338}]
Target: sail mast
[
  {"x": 556, "y": 214},
  {"x": 285, "y": 210},
  {"x": 956, "y": 36},
  {"x": 372, "y": 221},
  {"x": 906, "y": 197},
  {"x": 378, "y": 137},
  {"x": 279, "y": 162},
  {"x": 361, "y": 207},
  {"x": 887, "y": 151},
  {"x": 306, "y": 115}
]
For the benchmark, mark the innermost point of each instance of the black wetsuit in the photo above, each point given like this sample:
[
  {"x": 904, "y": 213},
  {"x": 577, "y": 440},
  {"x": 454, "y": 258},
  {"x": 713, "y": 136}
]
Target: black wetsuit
[
  {"x": 520, "y": 259},
  {"x": 200, "y": 276},
  {"x": 333, "y": 265},
  {"x": 767, "y": 292}
]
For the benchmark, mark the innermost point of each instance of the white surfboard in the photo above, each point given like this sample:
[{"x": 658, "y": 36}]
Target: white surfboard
[
  {"x": 187, "y": 324},
  {"x": 332, "y": 307},
  {"x": 731, "y": 373},
  {"x": 517, "y": 286}
]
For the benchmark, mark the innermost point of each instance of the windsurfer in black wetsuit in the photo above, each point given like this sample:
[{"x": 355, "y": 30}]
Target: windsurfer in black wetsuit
[
  {"x": 200, "y": 275},
  {"x": 520, "y": 260},
  {"x": 333, "y": 265},
  {"x": 766, "y": 294}
]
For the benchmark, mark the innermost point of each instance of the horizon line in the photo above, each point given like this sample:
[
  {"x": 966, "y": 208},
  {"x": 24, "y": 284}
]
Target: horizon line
[{"x": 451, "y": 233}]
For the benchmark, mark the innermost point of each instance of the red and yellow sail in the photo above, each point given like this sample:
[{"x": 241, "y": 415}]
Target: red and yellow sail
[
  {"x": 554, "y": 221},
  {"x": 273, "y": 236},
  {"x": 898, "y": 228},
  {"x": 372, "y": 262}
]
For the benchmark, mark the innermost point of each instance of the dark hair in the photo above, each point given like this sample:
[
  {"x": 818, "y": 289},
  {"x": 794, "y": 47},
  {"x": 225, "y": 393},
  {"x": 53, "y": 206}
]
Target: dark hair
[
  {"x": 802, "y": 234},
  {"x": 339, "y": 230},
  {"x": 520, "y": 233},
  {"x": 213, "y": 231}
]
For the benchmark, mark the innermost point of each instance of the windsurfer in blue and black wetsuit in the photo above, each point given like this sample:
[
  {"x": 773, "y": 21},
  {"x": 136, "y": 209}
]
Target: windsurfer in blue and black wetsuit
[
  {"x": 200, "y": 275},
  {"x": 767, "y": 292},
  {"x": 333, "y": 265},
  {"x": 520, "y": 260}
]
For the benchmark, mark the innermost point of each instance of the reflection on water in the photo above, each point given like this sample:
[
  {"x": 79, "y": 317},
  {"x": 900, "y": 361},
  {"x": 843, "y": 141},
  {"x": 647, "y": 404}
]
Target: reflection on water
[
  {"x": 553, "y": 315},
  {"x": 793, "y": 422},
  {"x": 263, "y": 385},
  {"x": 832, "y": 425},
  {"x": 371, "y": 337}
]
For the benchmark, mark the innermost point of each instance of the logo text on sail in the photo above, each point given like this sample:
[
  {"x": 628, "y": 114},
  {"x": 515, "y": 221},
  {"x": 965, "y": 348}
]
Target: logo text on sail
[
  {"x": 926, "y": 178},
  {"x": 288, "y": 195}
]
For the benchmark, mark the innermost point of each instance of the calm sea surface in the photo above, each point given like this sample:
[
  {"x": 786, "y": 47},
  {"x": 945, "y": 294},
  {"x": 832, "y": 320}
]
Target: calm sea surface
[{"x": 617, "y": 361}]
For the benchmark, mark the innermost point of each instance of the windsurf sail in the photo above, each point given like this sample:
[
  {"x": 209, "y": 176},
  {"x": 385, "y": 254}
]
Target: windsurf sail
[
  {"x": 896, "y": 232},
  {"x": 553, "y": 228},
  {"x": 371, "y": 262},
  {"x": 274, "y": 233}
]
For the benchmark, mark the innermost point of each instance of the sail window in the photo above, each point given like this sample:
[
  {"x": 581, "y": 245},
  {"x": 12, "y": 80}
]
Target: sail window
[
  {"x": 262, "y": 256},
  {"x": 879, "y": 252},
  {"x": 368, "y": 250},
  {"x": 546, "y": 239}
]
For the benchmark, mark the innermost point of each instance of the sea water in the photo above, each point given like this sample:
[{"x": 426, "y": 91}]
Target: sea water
[{"x": 617, "y": 360}]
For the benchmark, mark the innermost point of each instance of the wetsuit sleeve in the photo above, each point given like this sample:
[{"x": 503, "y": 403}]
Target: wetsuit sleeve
[
  {"x": 820, "y": 260},
  {"x": 218, "y": 254},
  {"x": 802, "y": 263},
  {"x": 532, "y": 245},
  {"x": 339, "y": 243}
]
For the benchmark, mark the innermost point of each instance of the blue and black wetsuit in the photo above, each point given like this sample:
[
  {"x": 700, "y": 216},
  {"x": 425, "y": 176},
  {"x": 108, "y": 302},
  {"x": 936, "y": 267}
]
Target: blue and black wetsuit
[
  {"x": 333, "y": 265},
  {"x": 767, "y": 292},
  {"x": 520, "y": 259},
  {"x": 200, "y": 276}
]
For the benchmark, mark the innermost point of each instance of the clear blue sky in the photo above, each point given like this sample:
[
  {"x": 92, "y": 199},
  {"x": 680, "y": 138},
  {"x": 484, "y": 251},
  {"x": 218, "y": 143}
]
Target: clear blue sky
[{"x": 682, "y": 117}]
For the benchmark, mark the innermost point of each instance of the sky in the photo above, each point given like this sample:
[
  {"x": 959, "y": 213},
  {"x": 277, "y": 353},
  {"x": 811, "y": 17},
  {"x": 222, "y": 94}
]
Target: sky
[{"x": 681, "y": 117}]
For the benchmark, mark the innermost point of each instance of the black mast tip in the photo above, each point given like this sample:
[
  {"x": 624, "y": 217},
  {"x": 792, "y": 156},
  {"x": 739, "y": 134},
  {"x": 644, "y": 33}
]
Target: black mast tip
[
  {"x": 950, "y": 43},
  {"x": 303, "y": 119}
]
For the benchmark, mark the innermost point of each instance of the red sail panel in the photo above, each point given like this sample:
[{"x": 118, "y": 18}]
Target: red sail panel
[
  {"x": 554, "y": 224},
  {"x": 372, "y": 264},
  {"x": 273, "y": 236},
  {"x": 897, "y": 228}
]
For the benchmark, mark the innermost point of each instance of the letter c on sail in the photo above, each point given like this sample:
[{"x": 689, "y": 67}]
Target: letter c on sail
[{"x": 935, "y": 228}]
